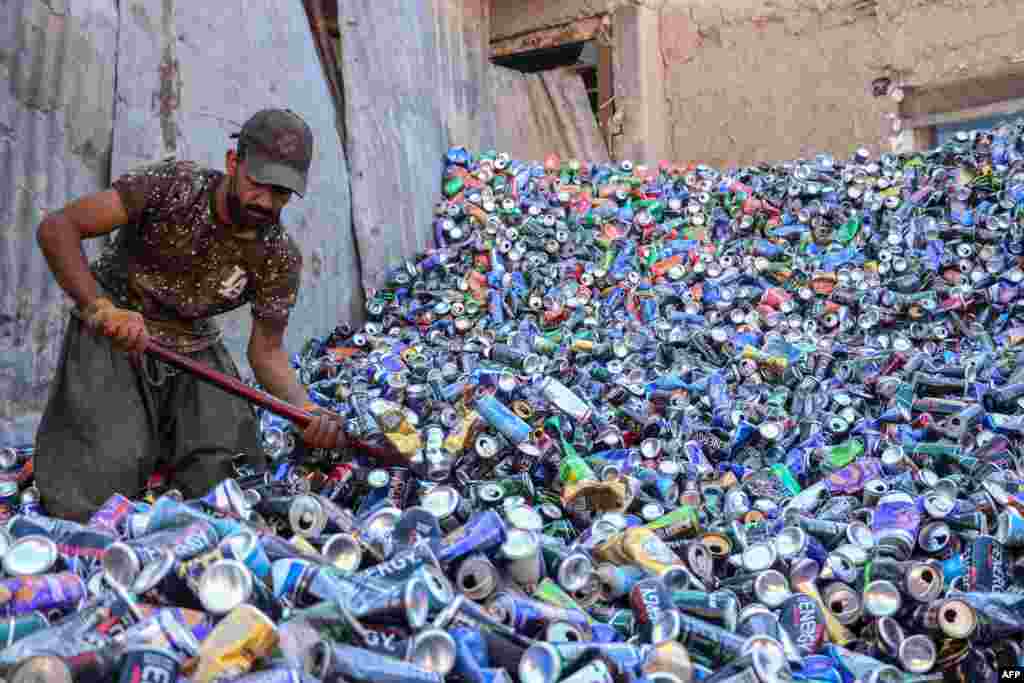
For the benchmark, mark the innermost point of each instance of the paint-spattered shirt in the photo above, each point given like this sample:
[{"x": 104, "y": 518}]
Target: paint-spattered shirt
[{"x": 175, "y": 263}]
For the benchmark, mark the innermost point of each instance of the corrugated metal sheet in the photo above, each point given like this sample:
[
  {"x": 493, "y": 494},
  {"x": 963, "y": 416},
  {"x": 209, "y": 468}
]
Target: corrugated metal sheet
[
  {"x": 542, "y": 113},
  {"x": 411, "y": 89},
  {"x": 56, "y": 114},
  {"x": 183, "y": 88}
]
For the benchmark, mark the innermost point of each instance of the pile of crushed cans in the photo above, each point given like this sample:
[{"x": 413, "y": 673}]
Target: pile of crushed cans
[{"x": 641, "y": 425}]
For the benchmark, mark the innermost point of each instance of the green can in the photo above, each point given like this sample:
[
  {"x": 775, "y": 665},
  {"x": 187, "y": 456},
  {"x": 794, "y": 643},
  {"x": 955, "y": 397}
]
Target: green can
[
  {"x": 937, "y": 449},
  {"x": 841, "y": 455},
  {"x": 543, "y": 344},
  {"x": 683, "y": 522},
  {"x": 13, "y": 629},
  {"x": 560, "y": 528},
  {"x": 784, "y": 475},
  {"x": 453, "y": 187},
  {"x": 550, "y": 592},
  {"x": 518, "y": 485},
  {"x": 575, "y": 469}
]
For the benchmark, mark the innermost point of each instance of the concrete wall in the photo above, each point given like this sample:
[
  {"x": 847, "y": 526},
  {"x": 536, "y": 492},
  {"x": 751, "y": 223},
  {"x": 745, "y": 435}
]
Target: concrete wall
[
  {"x": 739, "y": 81},
  {"x": 57, "y": 75},
  {"x": 750, "y": 83}
]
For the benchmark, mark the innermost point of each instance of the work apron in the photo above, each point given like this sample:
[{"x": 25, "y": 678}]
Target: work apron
[{"x": 108, "y": 425}]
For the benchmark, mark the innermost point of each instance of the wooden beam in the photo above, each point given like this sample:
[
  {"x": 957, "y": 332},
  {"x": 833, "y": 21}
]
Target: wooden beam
[
  {"x": 924, "y": 138},
  {"x": 574, "y": 32},
  {"x": 1005, "y": 108},
  {"x": 605, "y": 90},
  {"x": 639, "y": 84},
  {"x": 580, "y": 67}
]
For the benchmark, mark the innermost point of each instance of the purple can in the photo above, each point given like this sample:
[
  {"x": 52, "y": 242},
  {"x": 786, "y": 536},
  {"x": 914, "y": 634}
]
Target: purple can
[
  {"x": 24, "y": 594},
  {"x": 896, "y": 523},
  {"x": 850, "y": 480},
  {"x": 987, "y": 566},
  {"x": 112, "y": 514}
]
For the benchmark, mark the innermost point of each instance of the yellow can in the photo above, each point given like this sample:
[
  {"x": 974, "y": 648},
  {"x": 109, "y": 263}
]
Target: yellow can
[
  {"x": 305, "y": 546},
  {"x": 644, "y": 549},
  {"x": 610, "y": 550},
  {"x": 245, "y": 635}
]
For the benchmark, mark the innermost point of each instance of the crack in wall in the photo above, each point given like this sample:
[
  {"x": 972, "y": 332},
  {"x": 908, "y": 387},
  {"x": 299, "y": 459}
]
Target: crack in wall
[
  {"x": 109, "y": 170},
  {"x": 341, "y": 118}
]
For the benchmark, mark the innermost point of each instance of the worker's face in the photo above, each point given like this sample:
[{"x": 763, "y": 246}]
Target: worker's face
[{"x": 252, "y": 205}]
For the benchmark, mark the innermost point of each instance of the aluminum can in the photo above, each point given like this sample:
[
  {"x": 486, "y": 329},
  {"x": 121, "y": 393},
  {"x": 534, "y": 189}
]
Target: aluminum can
[{"x": 148, "y": 664}]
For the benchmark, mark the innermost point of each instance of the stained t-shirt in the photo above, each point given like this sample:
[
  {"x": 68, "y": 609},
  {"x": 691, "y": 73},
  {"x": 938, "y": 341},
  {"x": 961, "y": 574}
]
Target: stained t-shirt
[{"x": 175, "y": 263}]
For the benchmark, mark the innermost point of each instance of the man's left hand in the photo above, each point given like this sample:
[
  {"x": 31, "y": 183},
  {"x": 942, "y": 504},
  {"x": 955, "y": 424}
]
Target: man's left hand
[{"x": 326, "y": 430}]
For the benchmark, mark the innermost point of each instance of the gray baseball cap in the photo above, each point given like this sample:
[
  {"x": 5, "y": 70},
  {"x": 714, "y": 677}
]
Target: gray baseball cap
[{"x": 279, "y": 148}]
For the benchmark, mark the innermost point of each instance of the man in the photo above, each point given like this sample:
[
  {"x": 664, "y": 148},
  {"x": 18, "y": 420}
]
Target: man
[{"x": 192, "y": 243}]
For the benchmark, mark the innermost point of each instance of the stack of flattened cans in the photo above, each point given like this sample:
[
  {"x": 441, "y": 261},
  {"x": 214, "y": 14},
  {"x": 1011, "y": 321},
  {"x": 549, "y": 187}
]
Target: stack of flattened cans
[{"x": 621, "y": 423}]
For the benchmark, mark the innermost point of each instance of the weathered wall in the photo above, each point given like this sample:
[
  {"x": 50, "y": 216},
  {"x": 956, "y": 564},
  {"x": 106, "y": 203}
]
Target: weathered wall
[
  {"x": 57, "y": 61},
  {"x": 414, "y": 86},
  {"x": 749, "y": 82}
]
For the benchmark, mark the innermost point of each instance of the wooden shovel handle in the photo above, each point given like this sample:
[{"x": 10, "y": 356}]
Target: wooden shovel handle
[{"x": 233, "y": 386}]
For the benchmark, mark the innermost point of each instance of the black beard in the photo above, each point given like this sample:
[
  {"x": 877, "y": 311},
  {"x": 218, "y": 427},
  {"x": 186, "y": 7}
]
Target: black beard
[
  {"x": 234, "y": 203},
  {"x": 240, "y": 217}
]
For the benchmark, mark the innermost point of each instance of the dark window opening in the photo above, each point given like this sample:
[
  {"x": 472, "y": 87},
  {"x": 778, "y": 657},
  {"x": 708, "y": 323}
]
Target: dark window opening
[{"x": 542, "y": 60}]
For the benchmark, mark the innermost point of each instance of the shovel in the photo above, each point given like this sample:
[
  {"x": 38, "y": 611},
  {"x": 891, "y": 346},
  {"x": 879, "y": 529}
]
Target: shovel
[{"x": 233, "y": 386}]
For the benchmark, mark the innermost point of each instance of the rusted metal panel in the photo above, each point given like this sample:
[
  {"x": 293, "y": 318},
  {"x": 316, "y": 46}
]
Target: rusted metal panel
[
  {"x": 183, "y": 89},
  {"x": 543, "y": 113},
  {"x": 518, "y": 17},
  {"x": 573, "y": 32},
  {"x": 408, "y": 69},
  {"x": 56, "y": 114}
]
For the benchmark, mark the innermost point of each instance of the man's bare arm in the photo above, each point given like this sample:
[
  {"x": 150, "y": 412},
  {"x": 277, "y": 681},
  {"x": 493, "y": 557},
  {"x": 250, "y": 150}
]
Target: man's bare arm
[
  {"x": 60, "y": 237},
  {"x": 270, "y": 364}
]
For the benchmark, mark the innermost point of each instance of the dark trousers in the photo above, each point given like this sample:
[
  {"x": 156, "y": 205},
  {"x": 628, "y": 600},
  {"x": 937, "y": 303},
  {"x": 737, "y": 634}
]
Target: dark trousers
[{"x": 109, "y": 425}]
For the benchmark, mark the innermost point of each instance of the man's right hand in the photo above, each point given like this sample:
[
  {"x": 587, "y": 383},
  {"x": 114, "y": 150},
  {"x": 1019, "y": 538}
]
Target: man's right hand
[{"x": 127, "y": 329}]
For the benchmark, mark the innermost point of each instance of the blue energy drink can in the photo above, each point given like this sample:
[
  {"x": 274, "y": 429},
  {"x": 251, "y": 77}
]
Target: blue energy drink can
[{"x": 502, "y": 419}]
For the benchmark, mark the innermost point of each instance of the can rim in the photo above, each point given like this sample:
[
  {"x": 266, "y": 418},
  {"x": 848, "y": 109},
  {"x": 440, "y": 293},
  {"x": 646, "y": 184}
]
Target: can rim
[
  {"x": 440, "y": 651},
  {"x": 30, "y": 556},
  {"x": 218, "y": 592},
  {"x": 154, "y": 572}
]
